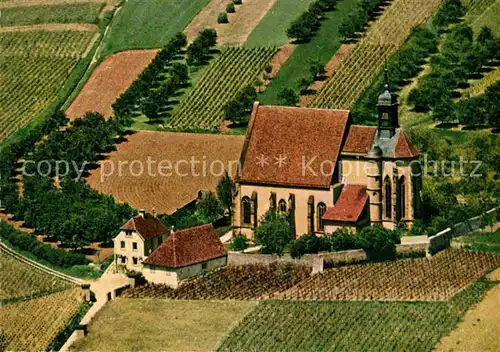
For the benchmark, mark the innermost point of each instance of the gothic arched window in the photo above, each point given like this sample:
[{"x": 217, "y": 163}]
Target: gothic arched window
[
  {"x": 321, "y": 212},
  {"x": 401, "y": 200},
  {"x": 388, "y": 197},
  {"x": 282, "y": 206},
  {"x": 246, "y": 210}
]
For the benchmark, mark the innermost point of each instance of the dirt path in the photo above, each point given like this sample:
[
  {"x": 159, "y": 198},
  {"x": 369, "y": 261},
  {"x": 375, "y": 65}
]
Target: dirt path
[
  {"x": 330, "y": 68},
  {"x": 480, "y": 329},
  {"x": 52, "y": 27},
  {"x": 240, "y": 26},
  {"x": 25, "y": 3}
]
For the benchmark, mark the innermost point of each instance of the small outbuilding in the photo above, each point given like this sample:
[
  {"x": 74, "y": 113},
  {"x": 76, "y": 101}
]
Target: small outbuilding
[{"x": 184, "y": 254}]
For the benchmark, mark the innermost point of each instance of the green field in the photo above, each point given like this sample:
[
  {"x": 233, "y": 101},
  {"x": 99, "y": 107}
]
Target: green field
[
  {"x": 323, "y": 47},
  {"x": 271, "y": 30},
  {"x": 34, "y": 67},
  {"x": 66, "y": 13},
  {"x": 162, "y": 325},
  {"x": 351, "y": 326},
  {"x": 149, "y": 24},
  {"x": 483, "y": 241}
]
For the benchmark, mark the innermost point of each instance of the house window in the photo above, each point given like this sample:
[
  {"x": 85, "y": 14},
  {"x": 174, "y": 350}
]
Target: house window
[
  {"x": 152, "y": 269},
  {"x": 204, "y": 266},
  {"x": 282, "y": 206},
  {"x": 123, "y": 260},
  {"x": 122, "y": 244},
  {"x": 310, "y": 214},
  {"x": 272, "y": 201},
  {"x": 134, "y": 260},
  {"x": 401, "y": 199},
  {"x": 134, "y": 246},
  {"x": 246, "y": 210},
  {"x": 128, "y": 233},
  {"x": 388, "y": 197},
  {"x": 321, "y": 212}
]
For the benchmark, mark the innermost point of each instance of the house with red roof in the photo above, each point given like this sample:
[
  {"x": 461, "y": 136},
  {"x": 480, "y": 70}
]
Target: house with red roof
[
  {"x": 184, "y": 254},
  {"x": 326, "y": 172},
  {"x": 137, "y": 239}
]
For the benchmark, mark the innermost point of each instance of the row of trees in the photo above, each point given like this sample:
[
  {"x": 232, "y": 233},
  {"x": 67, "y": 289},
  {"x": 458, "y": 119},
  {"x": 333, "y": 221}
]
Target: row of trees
[
  {"x": 238, "y": 109},
  {"x": 199, "y": 50},
  {"x": 481, "y": 110},
  {"x": 307, "y": 24},
  {"x": 230, "y": 8},
  {"x": 405, "y": 64},
  {"x": 140, "y": 90},
  {"x": 70, "y": 212},
  {"x": 462, "y": 57},
  {"x": 357, "y": 20}
]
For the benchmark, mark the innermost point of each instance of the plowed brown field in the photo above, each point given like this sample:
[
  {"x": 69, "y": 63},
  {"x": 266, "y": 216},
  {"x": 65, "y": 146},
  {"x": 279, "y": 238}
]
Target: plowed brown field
[
  {"x": 113, "y": 76},
  {"x": 175, "y": 167}
]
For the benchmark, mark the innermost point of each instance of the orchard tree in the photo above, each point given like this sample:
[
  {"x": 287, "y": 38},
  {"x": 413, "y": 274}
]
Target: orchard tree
[
  {"x": 288, "y": 97},
  {"x": 225, "y": 193},
  {"x": 274, "y": 232},
  {"x": 209, "y": 208}
]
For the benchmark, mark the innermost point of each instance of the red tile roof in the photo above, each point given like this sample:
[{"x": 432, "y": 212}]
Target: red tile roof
[
  {"x": 360, "y": 139},
  {"x": 292, "y": 137},
  {"x": 148, "y": 227},
  {"x": 187, "y": 247},
  {"x": 349, "y": 206},
  {"x": 404, "y": 149}
]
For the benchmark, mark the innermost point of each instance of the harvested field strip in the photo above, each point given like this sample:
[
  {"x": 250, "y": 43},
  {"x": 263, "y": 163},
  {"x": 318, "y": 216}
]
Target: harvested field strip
[
  {"x": 234, "y": 69},
  {"x": 21, "y": 281},
  {"x": 27, "y": 3},
  {"x": 166, "y": 192},
  {"x": 52, "y": 27},
  {"x": 34, "y": 67},
  {"x": 350, "y": 326},
  {"x": 188, "y": 326},
  {"x": 32, "y": 325},
  {"x": 103, "y": 88},
  {"x": 382, "y": 39},
  {"x": 438, "y": 278},
  {"x": 67, "y": 13}
]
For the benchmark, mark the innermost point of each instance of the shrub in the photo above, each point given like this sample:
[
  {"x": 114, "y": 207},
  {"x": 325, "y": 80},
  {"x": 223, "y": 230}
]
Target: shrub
[
  {"x": 343, "y": 240},
  {"x": 274, "y": 232},
  {"x": 379, "y": 244},
  {"x": 239, "y": 243},
  {"x": 288, "y": 97},
  {"x": 230, "y": 8},
  {"x": 237, "y": 2},
  {"x": 222, "y": 18},
  {"x": 304, "y": 244}
]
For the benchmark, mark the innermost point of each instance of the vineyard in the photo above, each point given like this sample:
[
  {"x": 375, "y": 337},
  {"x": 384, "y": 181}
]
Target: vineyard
[
  {"x": 34, "y": 67},
  {"x": 350, "y": 326},
  {"x": 22, "y": 281},
  {"x": 231, "y": 71},
  {"x": 383, "y": 38},
  {"x": 33, "y": 324},
  {"x": 477, "y": 7},
  {"x": 233, "y": 282},
  {"x": 63, "y": 13},
  {"x": 439, "y": 278}
]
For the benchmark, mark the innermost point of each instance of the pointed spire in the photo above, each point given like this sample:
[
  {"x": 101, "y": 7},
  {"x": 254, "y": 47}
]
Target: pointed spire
[{"x": 386, "y": 76}]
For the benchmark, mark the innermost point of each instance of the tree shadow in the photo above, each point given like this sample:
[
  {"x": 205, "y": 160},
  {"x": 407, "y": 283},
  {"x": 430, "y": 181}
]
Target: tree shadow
[
  {"x": 463, "y": 85},
  {"x": 455, "y": 94},
  {"x": 421, "y": 109},
  {"x": 474, "y": 128},
  {"x": 447, "y": 125},
  {"x": 308, "y": 91}
]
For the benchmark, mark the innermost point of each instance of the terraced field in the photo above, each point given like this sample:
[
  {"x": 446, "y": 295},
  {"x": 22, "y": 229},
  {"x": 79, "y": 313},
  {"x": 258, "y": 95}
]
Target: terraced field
[
  {"x": 231, "y": 71},
  {"x": 34, "y": 65},
  {"x": 382, "y": 39}
]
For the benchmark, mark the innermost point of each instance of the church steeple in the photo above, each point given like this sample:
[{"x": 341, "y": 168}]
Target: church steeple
[{"x": 387, "y": 111}]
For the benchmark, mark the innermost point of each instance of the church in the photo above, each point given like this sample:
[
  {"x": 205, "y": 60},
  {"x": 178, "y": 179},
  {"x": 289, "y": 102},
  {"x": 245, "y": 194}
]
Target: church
[{"x": 326, "y": 173}]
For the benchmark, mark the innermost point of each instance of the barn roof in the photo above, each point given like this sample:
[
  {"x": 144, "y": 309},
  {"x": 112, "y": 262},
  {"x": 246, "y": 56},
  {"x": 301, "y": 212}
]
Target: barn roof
[
  {"x": 280, "y": 141},
  {"x": 186, "y": 247}
]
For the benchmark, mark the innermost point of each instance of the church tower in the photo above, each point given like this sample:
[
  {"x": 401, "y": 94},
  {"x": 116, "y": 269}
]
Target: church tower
[{"x": 387, "y": 111}]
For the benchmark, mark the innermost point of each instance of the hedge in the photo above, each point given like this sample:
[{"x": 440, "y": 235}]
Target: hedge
[{"x": 41, "y": 250}]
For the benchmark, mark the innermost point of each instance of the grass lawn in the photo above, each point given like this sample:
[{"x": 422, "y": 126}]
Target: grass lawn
[
  {"x": 323, "y": 47},
  {"x": 271, "y": 30},
  {"x": 65, "y": 13},
  {"x": 162, "y": 325},
  {"x": 351, "y": 326},
  {"x": 149, "y": 24},
  {"x": 484, "y": 241}
]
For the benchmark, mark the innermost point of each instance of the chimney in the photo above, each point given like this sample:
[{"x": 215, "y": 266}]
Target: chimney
[{"x": 142, "y": 213}]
